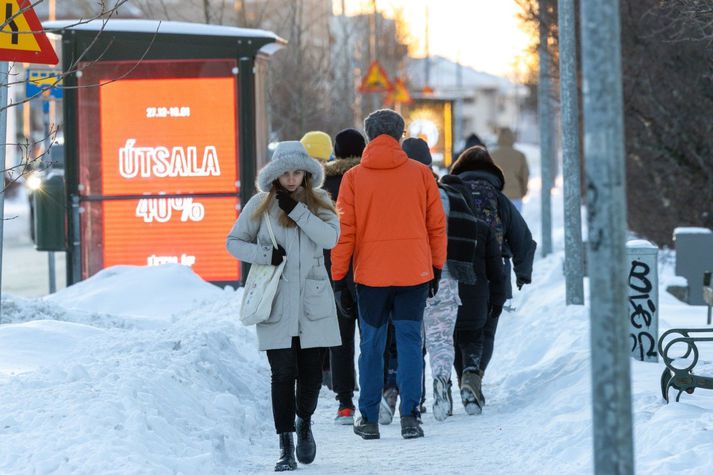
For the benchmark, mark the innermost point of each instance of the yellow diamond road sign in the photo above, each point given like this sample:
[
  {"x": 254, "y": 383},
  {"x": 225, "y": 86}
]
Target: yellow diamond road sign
[{"x": 22, "y": 37}]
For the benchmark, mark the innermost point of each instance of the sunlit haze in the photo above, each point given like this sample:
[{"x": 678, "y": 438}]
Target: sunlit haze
[{"x": 482, "y": 34}]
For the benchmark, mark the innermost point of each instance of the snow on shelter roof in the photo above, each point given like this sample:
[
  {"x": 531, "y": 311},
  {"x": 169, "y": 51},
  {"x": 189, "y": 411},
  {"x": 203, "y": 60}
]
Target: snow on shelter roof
[{"x": 162, "y": 27}]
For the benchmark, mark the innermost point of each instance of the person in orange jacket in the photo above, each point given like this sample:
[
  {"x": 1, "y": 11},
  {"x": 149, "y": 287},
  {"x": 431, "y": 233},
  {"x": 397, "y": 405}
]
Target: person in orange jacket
[{"x": 393, "y": 228}]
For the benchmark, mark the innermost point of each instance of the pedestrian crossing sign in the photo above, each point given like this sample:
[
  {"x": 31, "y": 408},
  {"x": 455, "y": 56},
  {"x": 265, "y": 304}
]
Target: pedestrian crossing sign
[
  {"x": 22, "y": 37},
  {"x": 375, "y": 79}
]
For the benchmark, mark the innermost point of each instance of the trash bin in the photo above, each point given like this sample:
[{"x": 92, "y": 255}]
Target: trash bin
[{"x": 50, "y": 213}]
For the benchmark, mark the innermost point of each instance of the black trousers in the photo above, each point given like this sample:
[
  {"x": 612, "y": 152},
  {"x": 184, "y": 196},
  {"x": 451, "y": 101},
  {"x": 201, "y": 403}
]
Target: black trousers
[
  {"x": 290, "y": 366},
  {"x": 342, "y": 362},
  {"x": 474, "y": 348}
]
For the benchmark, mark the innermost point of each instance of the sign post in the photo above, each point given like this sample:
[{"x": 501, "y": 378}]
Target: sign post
[{"x": 21, "y": 39}]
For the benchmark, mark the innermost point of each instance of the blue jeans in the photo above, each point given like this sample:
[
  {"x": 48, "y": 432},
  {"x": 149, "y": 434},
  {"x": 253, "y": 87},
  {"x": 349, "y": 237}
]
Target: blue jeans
[{"x": 405, "y": 305}]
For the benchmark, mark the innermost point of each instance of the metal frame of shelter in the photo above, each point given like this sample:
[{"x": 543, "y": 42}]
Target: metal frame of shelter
[{"x": 143, "y": 40}]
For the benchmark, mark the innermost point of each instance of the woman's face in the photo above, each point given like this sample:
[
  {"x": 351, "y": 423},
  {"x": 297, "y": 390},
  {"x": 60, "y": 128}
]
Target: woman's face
[{"x": 292, "y": 179}]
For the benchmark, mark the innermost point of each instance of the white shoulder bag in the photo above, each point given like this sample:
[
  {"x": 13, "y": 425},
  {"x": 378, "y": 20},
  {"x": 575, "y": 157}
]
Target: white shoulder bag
[{"x": 261, "y": 287}]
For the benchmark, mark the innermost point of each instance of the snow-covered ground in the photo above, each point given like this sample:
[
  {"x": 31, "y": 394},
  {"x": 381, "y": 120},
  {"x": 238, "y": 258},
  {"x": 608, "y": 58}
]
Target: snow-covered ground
[{"x": 146, "y": 370}]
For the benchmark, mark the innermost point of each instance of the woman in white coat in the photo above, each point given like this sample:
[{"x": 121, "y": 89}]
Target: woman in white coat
[{"x": 303, "y": 320}]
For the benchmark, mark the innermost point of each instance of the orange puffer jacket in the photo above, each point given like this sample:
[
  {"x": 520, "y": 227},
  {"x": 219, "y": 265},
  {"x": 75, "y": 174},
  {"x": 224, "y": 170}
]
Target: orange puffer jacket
[{"x": 392, "y": 219}]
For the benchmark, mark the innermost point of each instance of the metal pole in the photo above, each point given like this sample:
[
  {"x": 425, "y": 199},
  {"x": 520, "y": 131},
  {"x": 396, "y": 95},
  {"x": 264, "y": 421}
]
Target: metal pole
[
  {"x": 3, "y": 136},
  {"x": 76, "y": 264},
  {"x": 606, "y": 204},
  {"x": 46, "y": 158},
  {"x": 573, "y": 263},
  {"x": 544, "y": 107}
]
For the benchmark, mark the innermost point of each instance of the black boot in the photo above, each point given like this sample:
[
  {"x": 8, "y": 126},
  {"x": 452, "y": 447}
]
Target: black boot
[
  {"x": 306, "y": 447},
  {"x": 287, "y": 453}
]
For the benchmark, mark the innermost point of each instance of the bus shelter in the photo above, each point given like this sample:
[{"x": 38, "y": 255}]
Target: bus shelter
[{"x": 165, "y": 127}]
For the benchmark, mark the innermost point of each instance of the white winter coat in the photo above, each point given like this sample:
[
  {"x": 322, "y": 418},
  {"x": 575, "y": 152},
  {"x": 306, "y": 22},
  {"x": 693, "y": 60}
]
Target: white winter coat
[{"x": 304, "y": 305}]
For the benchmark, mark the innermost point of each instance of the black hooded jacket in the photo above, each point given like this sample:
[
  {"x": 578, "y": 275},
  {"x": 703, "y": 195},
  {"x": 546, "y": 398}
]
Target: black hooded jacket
[
  {"x": 490, "y": 285},
  {"x": 517, "y": 238}
]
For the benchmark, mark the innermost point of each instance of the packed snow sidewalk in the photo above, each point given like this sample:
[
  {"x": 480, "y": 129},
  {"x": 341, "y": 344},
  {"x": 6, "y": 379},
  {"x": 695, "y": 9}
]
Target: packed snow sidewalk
[{"x": 154, "y": 375}]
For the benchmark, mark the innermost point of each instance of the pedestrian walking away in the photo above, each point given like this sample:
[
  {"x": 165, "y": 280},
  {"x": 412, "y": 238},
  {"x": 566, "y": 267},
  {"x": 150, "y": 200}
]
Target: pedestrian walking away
[
  {"x": 439, "y": 319},
  {"x": 513, "y": 164},
  {"x": 303, "y": 319},
  {"x": 393, "y": 227},
  {"x": 348, "y": 147},
  {"x": 478, "y": 316}
]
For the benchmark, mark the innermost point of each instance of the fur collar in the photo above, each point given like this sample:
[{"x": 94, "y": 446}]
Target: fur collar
[{"x": 340, "y": 166}]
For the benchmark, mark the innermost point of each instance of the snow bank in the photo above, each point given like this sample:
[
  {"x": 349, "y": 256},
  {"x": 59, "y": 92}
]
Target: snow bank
[
  {"x": 145, "y": 292},
  {"x": 185, "y": 396}
]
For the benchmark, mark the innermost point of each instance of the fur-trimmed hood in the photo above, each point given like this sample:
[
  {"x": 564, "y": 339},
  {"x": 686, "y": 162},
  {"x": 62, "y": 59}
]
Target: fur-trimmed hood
[
  {"x": 466, "y": 164},
  {"x": 290, "y": 155},
  {"x": 340, "y": 166}
]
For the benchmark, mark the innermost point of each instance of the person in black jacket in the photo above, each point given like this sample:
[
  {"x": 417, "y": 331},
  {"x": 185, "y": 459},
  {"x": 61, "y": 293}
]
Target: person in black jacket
[
  {"x": 348, "y": 147},
  {"x": 476, "y": 169}
]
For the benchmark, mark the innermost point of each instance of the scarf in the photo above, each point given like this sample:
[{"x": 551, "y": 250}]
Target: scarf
[{"x": 462, "y": 237}]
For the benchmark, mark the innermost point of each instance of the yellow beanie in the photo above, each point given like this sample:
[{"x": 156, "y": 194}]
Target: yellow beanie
[{"x": 318, "y": 145}]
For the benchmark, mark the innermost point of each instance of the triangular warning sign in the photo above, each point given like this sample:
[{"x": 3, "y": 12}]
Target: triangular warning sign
[
  {"x": 375, "y": 79},
  {"x": 400, "y": 93},
  {"x": 22, "y": 37}
]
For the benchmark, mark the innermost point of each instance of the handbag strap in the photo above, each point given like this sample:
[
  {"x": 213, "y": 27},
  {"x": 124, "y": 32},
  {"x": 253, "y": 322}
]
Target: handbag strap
[{"x": 269, "y": 229}]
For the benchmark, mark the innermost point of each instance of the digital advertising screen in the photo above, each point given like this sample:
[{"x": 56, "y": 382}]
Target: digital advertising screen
[
  {"x": 158, "y": 165},
  {"x": 432, "y": 121}
]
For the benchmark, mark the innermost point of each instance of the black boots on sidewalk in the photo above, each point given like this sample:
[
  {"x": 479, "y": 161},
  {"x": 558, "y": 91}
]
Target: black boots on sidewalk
[
  {"x": 411, "y": 427},
  {"x": 366, "y": 430},
  {"x": 287, "y": 453},
  {"x": 306, "y": 447}
]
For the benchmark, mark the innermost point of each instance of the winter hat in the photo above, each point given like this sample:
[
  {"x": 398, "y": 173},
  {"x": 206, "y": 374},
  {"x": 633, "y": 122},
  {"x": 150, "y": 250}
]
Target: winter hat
[
  {"x": 384, "y": 121},
  {"x": 417, "y": 149},
  {"x": 318, "y": 145},
  {"x": 477, "y": 159},
  {"x": 288, "y": 156},
  {"x": 349, "y": 143}
]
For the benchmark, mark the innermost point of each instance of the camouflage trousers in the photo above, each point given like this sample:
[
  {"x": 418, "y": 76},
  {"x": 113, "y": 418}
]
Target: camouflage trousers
[{"x": 439, "y": 321}]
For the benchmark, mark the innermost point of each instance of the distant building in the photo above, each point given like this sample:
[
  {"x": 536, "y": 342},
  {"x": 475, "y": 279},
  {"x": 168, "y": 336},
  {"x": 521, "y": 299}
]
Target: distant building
[{"x": 483, "y": 102}]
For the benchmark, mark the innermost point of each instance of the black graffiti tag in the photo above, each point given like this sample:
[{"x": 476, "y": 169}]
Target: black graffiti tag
[{"x": 643, "y": 308}]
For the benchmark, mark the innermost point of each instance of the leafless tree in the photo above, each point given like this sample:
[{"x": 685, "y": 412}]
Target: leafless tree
[
  {"x": 34, "y": 151},
  {"x": 666, "y": 66}
]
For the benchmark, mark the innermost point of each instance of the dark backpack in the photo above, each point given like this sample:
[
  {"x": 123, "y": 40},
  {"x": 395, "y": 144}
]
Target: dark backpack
[{"x": 485, "y": 206}]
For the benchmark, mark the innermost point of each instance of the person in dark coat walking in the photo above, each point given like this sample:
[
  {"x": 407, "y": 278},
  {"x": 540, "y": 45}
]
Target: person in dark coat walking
[
  {"x": 476, "y": 169},
  {"x": 348, "y": 147}
]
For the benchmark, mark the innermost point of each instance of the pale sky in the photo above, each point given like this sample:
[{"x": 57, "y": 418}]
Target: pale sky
[{"x": 482, "y": 34}]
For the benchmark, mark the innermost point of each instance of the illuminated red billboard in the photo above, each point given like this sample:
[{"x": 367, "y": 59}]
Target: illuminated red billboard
[{"x": 158, "y": 173}]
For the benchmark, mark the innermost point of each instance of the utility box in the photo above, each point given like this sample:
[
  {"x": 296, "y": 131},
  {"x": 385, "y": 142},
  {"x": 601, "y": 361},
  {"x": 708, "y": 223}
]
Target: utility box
[
  {"x": 50, "y": 213},
  {"x": 643, "y": 297},
  {"x": 694, "y": 256}
]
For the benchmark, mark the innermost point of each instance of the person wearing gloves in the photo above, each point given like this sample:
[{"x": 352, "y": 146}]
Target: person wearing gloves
[
  {"x": 394, "y": 230},
  {"x": 318, "y": 145},
  {"x": 348, "y": 147},
  {"x": 485, "y": 181},
  {"x": 303, "y": 320}
]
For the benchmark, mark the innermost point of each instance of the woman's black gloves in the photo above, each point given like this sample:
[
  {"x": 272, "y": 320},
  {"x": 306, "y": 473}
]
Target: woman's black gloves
[
  {"x": 286, "y": 202},
  {"x": 277, "y": 255}
]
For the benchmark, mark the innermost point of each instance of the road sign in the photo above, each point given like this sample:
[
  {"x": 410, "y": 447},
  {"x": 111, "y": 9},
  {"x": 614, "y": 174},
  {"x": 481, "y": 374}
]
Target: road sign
[
  {"x": 375, "y": 79},
  {"x": 22, "y": 38},
  {"x": 43, "y": 82},
  {"x": 400, "y": 93}
]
